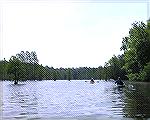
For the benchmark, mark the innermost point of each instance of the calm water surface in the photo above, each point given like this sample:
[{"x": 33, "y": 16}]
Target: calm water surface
[{"x": 74, "y": 100}]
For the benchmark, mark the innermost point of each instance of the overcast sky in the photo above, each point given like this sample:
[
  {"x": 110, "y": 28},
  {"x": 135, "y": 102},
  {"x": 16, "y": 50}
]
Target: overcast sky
[{"x": 67, "y": 33}]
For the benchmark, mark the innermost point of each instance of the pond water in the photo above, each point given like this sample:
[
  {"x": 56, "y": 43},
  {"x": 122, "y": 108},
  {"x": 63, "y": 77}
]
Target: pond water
[{"x": 74, "y": 100}]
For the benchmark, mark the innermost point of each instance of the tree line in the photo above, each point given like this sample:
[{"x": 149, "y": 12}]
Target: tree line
[
  {"x": 25, "y": 66},
  {"x": 133, "y": 64}
]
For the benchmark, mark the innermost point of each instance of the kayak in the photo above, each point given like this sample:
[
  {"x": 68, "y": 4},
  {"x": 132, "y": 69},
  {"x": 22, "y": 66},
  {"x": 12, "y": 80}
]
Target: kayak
[
  {"x": 92, "y": 82},
  {"x": 120, "y": 86}
]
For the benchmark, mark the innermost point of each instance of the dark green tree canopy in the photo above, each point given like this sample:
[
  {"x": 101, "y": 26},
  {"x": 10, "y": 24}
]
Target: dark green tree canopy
[{"x": 136, "y": 48}]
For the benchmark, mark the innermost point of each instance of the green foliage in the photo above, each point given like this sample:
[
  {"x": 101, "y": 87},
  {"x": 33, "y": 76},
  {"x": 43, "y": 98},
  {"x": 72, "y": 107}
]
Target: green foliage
[
  {"x": 114, "y": 68},
  {"x": 15, "y": 68},
  {"x": 133, "y": 77},
  {"x": 3, "y": 69},
  {"x": 142, "y": 76},
  {"x": 125, "y": 46},
  {"x": 23, "y": 66},
  {"x": 19, "y": 68},
  {"x": 136, "y": 51},
  {"x": 145, "y": 74}
]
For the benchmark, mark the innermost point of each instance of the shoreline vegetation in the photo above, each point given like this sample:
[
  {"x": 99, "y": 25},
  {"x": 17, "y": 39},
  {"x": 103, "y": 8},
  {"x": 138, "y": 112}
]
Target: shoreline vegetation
[{"x": 132, "y": 65}]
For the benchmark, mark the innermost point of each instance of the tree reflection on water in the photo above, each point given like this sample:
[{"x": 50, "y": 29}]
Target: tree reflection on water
[{"x": 137, "y": 102}]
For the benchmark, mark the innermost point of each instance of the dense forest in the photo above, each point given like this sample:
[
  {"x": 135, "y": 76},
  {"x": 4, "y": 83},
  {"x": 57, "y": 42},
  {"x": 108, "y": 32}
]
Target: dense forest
[
  {"x": 24, "y": 66},
  {"x": 133, "y": 65}
]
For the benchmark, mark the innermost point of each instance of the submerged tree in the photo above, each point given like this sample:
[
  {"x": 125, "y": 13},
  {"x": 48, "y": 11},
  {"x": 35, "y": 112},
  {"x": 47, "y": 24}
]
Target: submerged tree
[{"x": 15, "y": 69}]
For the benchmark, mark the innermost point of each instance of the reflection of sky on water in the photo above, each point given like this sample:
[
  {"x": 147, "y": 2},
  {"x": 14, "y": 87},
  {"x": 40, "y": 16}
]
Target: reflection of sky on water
[{"x": 47, "y": 99}]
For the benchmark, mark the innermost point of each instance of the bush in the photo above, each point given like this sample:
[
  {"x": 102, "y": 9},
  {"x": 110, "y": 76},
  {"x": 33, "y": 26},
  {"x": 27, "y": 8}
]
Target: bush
[
  {"x": 133, "y": 77},
  {"x": 142, "y": 76},
  {"x": 145, "y": 74}
]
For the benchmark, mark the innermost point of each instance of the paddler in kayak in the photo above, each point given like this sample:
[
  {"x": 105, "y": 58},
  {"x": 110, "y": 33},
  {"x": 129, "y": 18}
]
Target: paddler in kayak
[
  {"x": 92, "y": 81},
  {"x": 119, "y": 82}
]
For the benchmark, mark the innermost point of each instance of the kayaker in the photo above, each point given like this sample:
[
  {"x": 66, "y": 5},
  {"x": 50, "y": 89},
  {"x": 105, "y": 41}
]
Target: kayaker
[
  {"x": 92, "y": 80},
  {"x": 16, "y": 82},
  {"x": 119, "y": 82}
]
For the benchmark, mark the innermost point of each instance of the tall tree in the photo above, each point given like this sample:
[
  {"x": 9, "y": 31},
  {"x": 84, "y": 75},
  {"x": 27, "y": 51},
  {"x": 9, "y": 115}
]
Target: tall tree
[
  {"x": 15, "y": 69},
  {"x": 136, "y": 49}
]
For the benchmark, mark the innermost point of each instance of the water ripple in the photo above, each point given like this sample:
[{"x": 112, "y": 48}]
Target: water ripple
[{"x": 48, "y": 99}]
